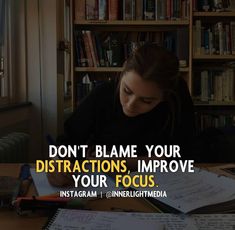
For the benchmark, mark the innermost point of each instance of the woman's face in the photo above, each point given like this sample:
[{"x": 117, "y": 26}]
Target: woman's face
[{"x": 138, "y": 96}]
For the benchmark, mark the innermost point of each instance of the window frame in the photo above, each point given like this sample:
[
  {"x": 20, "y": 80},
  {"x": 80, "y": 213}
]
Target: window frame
[{"x": 14, "y": 53}]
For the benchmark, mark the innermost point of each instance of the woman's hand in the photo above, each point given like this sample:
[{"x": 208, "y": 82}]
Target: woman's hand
[{"x": 60, "y": 179}]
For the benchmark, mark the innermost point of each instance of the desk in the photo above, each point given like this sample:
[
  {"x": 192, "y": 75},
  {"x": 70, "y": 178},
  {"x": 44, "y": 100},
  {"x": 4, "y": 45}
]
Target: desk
[{"x": 10, "y": 220}]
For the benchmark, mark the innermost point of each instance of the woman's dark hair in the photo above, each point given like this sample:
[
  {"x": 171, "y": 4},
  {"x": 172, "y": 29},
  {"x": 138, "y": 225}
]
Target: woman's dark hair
[{"x": 154, "y": 63}]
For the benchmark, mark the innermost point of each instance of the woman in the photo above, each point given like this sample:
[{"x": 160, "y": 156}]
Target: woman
[{"x": 149, "y": 105}]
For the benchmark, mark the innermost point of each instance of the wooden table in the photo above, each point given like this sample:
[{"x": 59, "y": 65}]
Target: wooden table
[{"x": 10, "y": 220}]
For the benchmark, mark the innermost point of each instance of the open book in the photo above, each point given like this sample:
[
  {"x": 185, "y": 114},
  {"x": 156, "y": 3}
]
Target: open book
[
  {"x": 91, "y": 220},
  {"x": 198, "y": 192}
]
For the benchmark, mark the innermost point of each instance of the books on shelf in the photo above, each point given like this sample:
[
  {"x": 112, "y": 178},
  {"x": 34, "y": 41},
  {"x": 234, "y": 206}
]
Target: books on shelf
[
  {"x": 211, "y": 39},
  {"x": 111, "y": 49},
  {"x": 207, "y": 120},
  {"x": 131, "y": 10},
  {"x": 213, "y": 5},
  {"x": 215, "y": 85}
]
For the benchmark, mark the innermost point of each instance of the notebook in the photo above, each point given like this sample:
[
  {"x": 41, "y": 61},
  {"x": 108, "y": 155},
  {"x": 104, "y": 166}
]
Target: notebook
[
  {"x": 91, "y": 220},
  {"x": 198, "y": 192},
  {"x": 71, "y": 219}
]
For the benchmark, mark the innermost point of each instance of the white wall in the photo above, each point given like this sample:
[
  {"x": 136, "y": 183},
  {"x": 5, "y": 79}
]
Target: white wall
[{"x": 42, "y": 72}]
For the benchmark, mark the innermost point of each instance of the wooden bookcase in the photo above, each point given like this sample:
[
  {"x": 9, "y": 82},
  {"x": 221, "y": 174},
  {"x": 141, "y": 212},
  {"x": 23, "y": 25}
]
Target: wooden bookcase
[
  {"x": 194, "y": 60},
  {"x": 213, "y": 112}
]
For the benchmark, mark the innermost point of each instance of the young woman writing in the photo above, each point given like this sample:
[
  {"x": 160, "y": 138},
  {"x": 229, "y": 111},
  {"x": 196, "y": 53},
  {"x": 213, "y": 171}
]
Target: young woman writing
[{"x": 149, "y": 105}]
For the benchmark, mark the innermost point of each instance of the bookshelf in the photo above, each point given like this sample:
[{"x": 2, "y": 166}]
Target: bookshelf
[
  {"x": 182, "y": 25},
  {"x": 111, "y": 69},
  {"x": 212, "y": 76}
]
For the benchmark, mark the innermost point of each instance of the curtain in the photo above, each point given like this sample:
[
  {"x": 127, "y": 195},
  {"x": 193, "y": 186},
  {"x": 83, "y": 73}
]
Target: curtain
[{"x": 2, "y": 21}]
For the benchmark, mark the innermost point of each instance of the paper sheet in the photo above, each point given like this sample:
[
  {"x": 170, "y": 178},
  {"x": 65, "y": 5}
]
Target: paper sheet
[
  {"x": 90, "y": 220},
  {"x": 215, "y": 221},
  {"x": 45, "y": 188},
  {"x": 189, "y": 191}
]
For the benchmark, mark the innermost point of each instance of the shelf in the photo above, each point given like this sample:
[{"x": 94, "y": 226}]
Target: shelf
[
  {"x": 214, "y": 103},
  {"x": 132, "y": 22},
  {"x": 214, "y": 14},
  {"x": 110, "y": 69},
  {"x": 214, "y": 57},
  {"x": 98, "y": 69}
]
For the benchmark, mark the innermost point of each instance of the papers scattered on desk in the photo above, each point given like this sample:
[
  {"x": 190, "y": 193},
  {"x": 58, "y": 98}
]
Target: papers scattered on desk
[
  {"x": 188, "y": 192},
  {"x": 45, "y": 188},
  {"x": 91, "y": 220},
  {"x": 42, "y": 184}
]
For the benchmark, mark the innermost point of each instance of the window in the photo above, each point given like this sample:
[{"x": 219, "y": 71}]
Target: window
[
  {"x": 12, "y": 52},
  {"x": 3, "y": 74}
]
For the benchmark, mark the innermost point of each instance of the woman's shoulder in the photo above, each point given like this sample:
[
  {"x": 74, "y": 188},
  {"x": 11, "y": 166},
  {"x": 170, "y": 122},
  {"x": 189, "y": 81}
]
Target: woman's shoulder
[
  {"x": 105, "y": 87},
  {"x": 104, "y": 93}
]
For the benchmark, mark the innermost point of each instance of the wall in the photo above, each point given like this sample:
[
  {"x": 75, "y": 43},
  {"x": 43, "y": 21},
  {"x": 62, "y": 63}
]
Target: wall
[
  {"x": 44, "y": 86},
  {"x": 42, "y": 71}
]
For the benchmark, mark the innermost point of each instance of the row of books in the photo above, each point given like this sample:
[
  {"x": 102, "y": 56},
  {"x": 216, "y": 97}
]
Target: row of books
[
  {"x": 131, "y": 9},
  {"x": 214, "y": 39},
  {"x": 204, "y": 121},
  {"x": 111, "y": 49},
  {"x": 214, "y": 85},
  {"x": 213, "y": 5}
]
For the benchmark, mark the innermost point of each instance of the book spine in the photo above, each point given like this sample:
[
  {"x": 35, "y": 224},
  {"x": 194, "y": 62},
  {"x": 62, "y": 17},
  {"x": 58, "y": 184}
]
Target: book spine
[
  {"x": 87, "y": 49},
  {"x": 79, "y": 10},
  {"x": 221, "y": 38},
  {"x": 133, "y": 10},
  {"x": 100, "y": 51},
  {"x": 230, "y": 75},
  {"x": 91, "y": 9},
  {"x": 232, "y": 39},
  {"x": 95, "y": 50},
  {"x": 204, "y": 85},
  {"x": 198, "y": 37},
  {"x": 102, "y": 9},
  {"x": 92, "y": 49},
  {"x": 228, "y": 41},
  {"x": 113, "y": 9},
  {"x": 211, "y": 47},
  {"x": 128, "y": 9},
  {"x": 149, "y": 9},
  {"x": 139, "y": 9},
  {"x": 168, "y": 9},
  {"x": 156, "y": 9}
]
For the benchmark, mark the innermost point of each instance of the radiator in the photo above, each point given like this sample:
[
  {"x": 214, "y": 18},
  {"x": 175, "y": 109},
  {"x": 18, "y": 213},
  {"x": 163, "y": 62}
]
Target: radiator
[{"x": 14, "y": 148}]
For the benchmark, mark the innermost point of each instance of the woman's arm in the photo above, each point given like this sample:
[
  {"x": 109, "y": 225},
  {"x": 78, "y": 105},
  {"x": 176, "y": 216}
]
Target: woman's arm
[{"x": 77, "y": 129}]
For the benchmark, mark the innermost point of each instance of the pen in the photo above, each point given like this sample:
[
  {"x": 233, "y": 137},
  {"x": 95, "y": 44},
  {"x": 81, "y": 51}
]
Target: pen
[
  {"x": 24, "y": 205},
  {"x": 25, "y": 178}
]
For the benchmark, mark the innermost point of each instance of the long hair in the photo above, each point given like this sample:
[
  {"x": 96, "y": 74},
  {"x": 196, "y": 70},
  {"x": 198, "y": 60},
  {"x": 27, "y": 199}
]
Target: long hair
[{"x": 154, "y": 63}]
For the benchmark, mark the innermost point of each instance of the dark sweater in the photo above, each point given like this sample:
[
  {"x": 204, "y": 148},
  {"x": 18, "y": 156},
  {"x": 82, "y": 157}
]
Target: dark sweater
[{"x": 99, "y": 119}]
